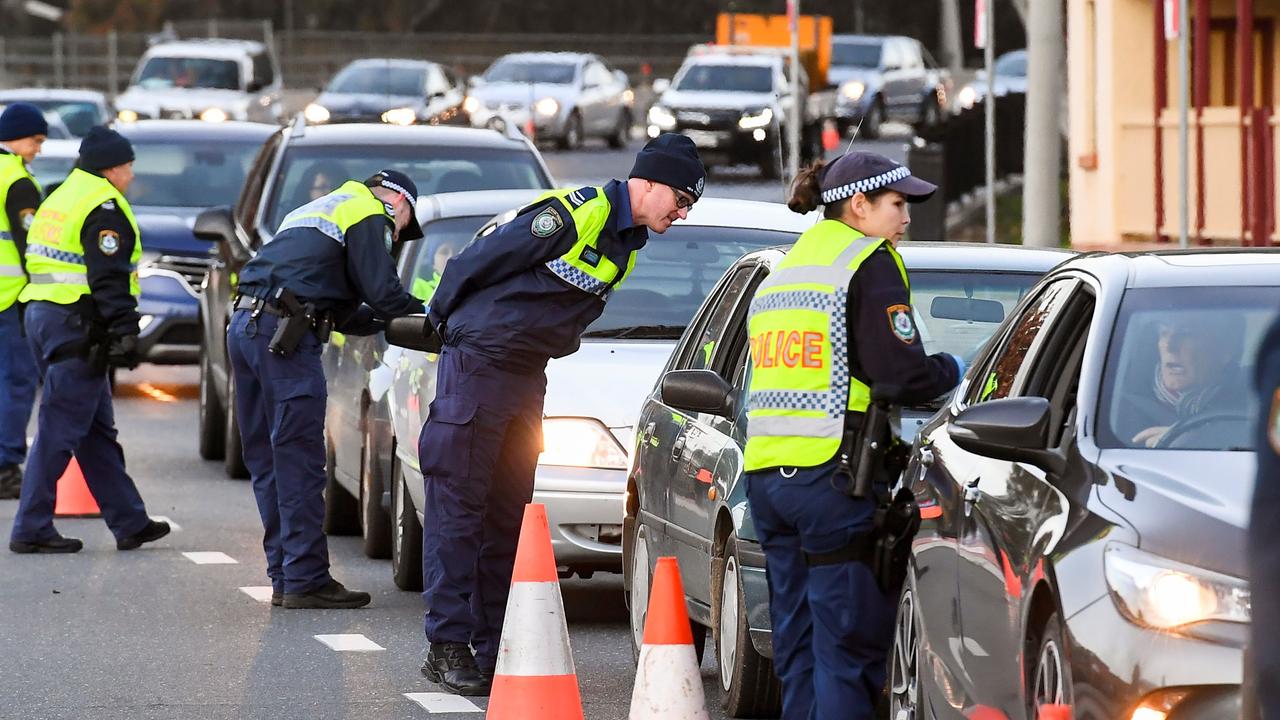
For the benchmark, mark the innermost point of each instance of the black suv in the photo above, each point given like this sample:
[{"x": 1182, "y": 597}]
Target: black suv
[{"x": 300, "y": 163}]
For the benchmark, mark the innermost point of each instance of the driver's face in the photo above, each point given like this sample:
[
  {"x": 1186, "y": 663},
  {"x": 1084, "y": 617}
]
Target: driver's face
[{"x": 1188, "y": 359}]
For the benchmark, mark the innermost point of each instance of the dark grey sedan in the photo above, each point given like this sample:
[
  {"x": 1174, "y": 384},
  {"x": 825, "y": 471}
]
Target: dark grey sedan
[{"x": 684, "y": 494}]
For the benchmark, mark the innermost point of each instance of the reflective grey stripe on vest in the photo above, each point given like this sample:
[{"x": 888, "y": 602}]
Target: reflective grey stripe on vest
[
  {"x": 328, "y": 227},
  {"x": 791, "y": 426},
  {"x": 60, "y": 278},
  {"x": 54, "y": 254},
  {"x": 11, "y": 271},
  {"x": 578, "y": 279}
]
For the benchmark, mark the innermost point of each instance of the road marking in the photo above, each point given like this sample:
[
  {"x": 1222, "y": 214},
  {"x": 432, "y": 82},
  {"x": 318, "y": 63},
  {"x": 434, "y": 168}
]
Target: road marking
[
  {"x": 351, "y": 642},
  {"x": 172, "y": 525},
  {"x": 261, "y": 593},
  {"x": 443, "y": 703},
  {"x": 210, "y": 558}
]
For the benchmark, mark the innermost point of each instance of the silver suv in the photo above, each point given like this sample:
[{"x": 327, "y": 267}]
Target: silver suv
[{"x": 212, "y": 80}]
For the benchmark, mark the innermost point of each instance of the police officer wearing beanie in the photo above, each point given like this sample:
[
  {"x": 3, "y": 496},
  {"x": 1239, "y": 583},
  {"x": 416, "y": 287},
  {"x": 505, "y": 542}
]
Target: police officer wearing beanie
[
  {"x": 334, "y": 256},
  {"x": 22, "y": 132},
  {"x": 505, "y": 305},
  {"x": 843, "y": 283},
  {"x": 82, "y": 319}
]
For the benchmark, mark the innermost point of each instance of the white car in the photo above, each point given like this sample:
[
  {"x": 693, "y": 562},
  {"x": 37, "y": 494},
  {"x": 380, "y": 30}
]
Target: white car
[{"x": 213, "y": 80}]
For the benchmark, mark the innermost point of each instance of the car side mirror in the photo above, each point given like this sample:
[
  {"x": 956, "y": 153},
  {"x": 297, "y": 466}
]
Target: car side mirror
[
  {"x": 414, "y": 332},
  {"x": 215, "y": 225},
  {"x": 1015, "y": 429},
  {"x": 699, "y": 391}
]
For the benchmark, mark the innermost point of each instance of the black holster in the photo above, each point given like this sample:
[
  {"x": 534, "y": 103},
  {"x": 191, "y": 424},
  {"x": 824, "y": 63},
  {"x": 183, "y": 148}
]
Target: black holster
[{"x": 296, "y": 320}]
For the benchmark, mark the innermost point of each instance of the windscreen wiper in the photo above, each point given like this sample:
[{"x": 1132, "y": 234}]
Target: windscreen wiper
[{"x": 638, "y": 332}]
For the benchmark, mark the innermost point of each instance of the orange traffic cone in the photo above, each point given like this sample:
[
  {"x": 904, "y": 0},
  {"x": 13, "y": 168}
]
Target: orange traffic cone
[
  {"x": 668, "y": 681},
  {"x": 74, "y": 498},
  {"x": 1054, "y": 712},
  {"x": 830, "y": 135},
  {"x": 535, "y": 679}
]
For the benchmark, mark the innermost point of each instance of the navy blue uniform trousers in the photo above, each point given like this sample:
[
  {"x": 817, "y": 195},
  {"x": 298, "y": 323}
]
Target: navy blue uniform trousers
[
  {"x": 17, "y": 387},
  {"x": 75, "y": 417},
  {"x": 280, "y": 406},
  {"x": 478, "y": 451},
  {"x": 832, "y": 627},
  {"x": 1264, "y": 535}
]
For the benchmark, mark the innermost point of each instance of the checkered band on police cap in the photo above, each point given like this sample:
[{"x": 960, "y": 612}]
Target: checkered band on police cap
[
  {"x": 399, "y": 182},
  {"x": 848, "y": 190},
  {"x": 866, "y": 172}
]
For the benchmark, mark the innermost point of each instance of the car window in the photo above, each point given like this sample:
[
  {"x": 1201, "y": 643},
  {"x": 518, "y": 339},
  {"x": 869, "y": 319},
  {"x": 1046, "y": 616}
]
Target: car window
[
  {"x": 159, "y": 73},
  {"x": 1012, "y": 64},
  {"x": 719, "y": 320},
  {"x": 436, "y": 82},
  {"x": 929, "y": 62},
  {"x": 1178, "y": 368},
  {"x": 1005, "y": 371},
  {"x": 77, "y": 115},
  {"x": 856, "y": 54},
  {"x": 529, "y": 71},
  {"x": 441, "y": 240},
  {"x": 374, "y": 79},
  {"x": 251, "y": 195},
  {"x": 726, "y": 78},
  {"x": 597, "y": 75},
  {"x": 958, "y": 311},
  {"x": 1056, "y": 376},
  {"x": 263, "y": 73},
  {"x": 187, "y": 174}
]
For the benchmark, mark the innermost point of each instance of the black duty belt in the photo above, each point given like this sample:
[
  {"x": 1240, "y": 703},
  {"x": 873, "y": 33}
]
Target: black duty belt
[
  {"x": 861, "y": 549},
  {"x": 249, "y": 302}
]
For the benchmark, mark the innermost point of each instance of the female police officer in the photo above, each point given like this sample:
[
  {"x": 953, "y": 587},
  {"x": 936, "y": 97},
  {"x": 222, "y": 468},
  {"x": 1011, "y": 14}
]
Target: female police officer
[{"x": 832, "y": 319}]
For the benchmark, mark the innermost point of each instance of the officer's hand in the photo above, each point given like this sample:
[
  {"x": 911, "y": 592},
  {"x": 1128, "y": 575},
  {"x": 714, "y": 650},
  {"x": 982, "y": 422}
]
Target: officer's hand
[{"x": 122, "y": 351}]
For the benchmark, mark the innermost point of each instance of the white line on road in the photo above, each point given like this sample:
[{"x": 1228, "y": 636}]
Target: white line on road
[
  {"x": 210, "y": 558},
  {"x": 165, "y": 518},
  {"x": 261, "y": 593},
  {"x": 443, "y": 703},
  {"x": 351, "y": 642}
]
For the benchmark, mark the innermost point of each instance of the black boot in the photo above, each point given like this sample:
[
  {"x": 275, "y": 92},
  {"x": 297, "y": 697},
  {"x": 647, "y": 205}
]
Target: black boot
[
  {"x": 10, "y": 482},
  {"x": 330, "y": 596},
  {"x": 153, "y": 530},
  {"x": 57, "y": 544},
  {"x": 452, "y": 666}
]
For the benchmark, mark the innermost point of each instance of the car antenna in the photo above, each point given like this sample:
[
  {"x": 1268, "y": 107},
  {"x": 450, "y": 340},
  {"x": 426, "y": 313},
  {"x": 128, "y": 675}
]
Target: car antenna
[{"x": 856, "y": 129}]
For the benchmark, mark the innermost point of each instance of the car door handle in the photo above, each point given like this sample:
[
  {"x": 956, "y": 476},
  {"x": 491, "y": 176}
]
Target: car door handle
[
  {"x": 926, "y": 456},
  {"x": 647, "y": 433},
  {"x": 677, "y": 449},
  {"x": 972, "y": 494}
]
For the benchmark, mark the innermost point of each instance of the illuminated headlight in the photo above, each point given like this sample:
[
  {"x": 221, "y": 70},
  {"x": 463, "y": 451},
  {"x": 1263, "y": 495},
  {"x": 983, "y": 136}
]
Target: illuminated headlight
[
  {"x": 580, "y": 442},
  {"x": 967, "y": 97},
  {"x": 144, "y": 321},
  {"x": 662, "y": 117},
  {"x": 315, "y": 113},
  {"x": 127, "y": 116},
  {"x": 470, "y": 104},
  {"x": 628, "y": 96},
  {"x": 853, "y": 90},
  {"x": 1164, "y": 594},
  {"x": 546, "y": 106},
  {"x": 760, "y": 119},
  {"x": 214, "y": 115},
  {"x": 400, "y": 116}
]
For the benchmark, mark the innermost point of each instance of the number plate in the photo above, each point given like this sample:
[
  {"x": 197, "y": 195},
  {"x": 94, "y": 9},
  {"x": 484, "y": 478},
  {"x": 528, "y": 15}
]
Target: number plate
[{"x": 705, "y": 138}]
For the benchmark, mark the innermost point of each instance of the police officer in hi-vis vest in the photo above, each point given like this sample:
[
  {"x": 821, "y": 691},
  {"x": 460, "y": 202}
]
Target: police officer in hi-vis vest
[
  {"x": 505, "y": 305},
  {"x": 82, "y": 319},
  {"x": 328, "y": 257},
  {"x": 22, "y": 132},
  {"x": 1264, "y": 536},
  {"x": 840, "y": 298}
]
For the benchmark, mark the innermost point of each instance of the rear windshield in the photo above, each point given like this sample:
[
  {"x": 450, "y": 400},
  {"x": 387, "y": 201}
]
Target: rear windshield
[
  {"x": 186, "y": 72},
  {"x": 958, "y": 311},
  {"x": 187, "y": 174}
]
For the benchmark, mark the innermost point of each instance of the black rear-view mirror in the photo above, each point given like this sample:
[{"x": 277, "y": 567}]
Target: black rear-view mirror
[{"x": 215, "y": 225}]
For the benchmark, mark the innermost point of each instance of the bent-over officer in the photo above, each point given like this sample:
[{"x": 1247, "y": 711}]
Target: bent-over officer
[
  {"x": 1264, "y": 537},
  {"x": 505, "y": 305},
  {"x": 82, "y": 319},
  {"x": 328, "y": 257},
  {"x": 842, "y": 291},
  {"x": 22, "y": 132}
]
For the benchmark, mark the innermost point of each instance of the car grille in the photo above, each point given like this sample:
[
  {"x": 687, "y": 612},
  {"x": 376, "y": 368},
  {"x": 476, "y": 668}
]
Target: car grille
[
  {"x": 192, "y": 269},
  {"x": 508, "y": 106},
  {"x": 174, "y": 114},
  {"x": 719, "y": 119}
]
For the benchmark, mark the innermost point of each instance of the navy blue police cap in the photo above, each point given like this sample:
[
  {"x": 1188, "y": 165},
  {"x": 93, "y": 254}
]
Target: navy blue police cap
[
  {"x": 403, "y": 184},
  {"x": 864, "y": 172}
]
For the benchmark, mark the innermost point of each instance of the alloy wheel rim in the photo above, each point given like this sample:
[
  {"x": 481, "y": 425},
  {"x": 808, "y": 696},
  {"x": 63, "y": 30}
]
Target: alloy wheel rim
[
  {"x": 1049, "y": 687},
  {"x": 728, "y": 647},
  {"x": 904, "y": 685},
  {"x": 639, "y": 589},
  {"x": 397, "y": 538}
]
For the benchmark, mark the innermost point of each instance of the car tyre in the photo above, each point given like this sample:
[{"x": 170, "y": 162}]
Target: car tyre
[
  {"x": 341, "y": 509},
  {"x": 406, "y": 540},
  {"x": 872, "y": 121},
  {"x": 747, "y": 683},
  {"x": 213, "y": 418},
  {"x": 930, "y": 115},
  {"x": 622, "y": 133},
  {"x": 637, "y": 593},
  {"x": 1050, "y": 679},
  {"x": 905, "y": 671},
  {"x": 233, "y": 449},
  {"x": 771, "y": 164},
  {"x": 375, "y": 523},
  {"x": 572, "y": 138}
]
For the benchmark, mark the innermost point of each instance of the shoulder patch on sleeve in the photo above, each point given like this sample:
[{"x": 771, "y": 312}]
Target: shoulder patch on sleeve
[
  {"x": 904, "y": 328},
  {"x": 26, "y": 216},
  {"x": 578, "y": 197},
  {"x": 108, "y": 242},
  {"x": 547, "y": 222},
  {"x": 388, "y": 238}
]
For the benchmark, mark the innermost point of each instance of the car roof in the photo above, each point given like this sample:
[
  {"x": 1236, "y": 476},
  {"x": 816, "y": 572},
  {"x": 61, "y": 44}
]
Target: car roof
[
  {"x": 385, "y": 134},
  {"x": 195, "y": 130},
  {"x": 472, "y": 202},
  {"x": 51, "y": 94},
  {"x": 210, "y": 47},
  {"x": 865, "y": 39},
  {"x": 66, "y": 147},
  {"x": 942, "y": 256},
  {"x": 729, "y": 212},
  {"x": 392, "y": 62},
  {"x": 720, "y": 55},
  {"x": 1200, "y": 267},
  {"x": 563, "y": 57}
]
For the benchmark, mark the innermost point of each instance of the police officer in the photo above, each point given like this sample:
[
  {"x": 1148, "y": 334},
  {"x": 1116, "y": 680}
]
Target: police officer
[
  {"x": 833, "y": 318},
  {"x": 506, "y": 304},
  {"x": 328, "y": 256},
  {"x": 1264, "y": 538},
  {"x": 22, "y": 132},
  {"x": 82, "y": 318}
]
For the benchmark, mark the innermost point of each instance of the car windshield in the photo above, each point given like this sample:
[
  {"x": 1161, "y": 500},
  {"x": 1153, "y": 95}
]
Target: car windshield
[
  {"x": 727, "y": 78},
  {"x": 51, "y": 169},
  {"x": 672, "y": 276},
  {"x": 189, "y": 173},
  {"x": 309, "y": 172},
  {"x": 855, "y": 54},
  {"x": 1013, "y": 64},
  {"x": 958, "y": 311},
  {"x": 441, "y": 240},
  {"x": 379, "y": 80},
  {"x": 525, "y": 71},
  {"x": 1179, "y": 366},
  {"x": 189, "y": 72},
  {"x": 77, "y": 115}
]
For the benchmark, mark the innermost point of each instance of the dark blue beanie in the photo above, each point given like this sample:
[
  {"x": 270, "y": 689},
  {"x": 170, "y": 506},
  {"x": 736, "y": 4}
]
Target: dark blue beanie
[
  {"x": 104, "y": 148},
  {"x": 21, "y": 120},
  {"x": 672, "y": 159}
]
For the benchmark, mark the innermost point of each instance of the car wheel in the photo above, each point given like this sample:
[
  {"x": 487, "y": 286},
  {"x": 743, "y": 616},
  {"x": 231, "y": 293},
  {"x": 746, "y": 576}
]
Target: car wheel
[
  {"x": 622, "y": 133},
  {"x": 233, "y": 449},
  {"x": 406, "y": 538},
  {"x": 747, "y": 683},
  {"x": 638, "y": 592},
  {"x": 341, "y": 510},
  {"x": 1050, "y": 683},
  {"x": 213, "y": 419},
  {"x": 873, "y": 119},
  {"x": 904, "y": 663},
  {"x": 930, "y": 115},
  {"x": 572, "y": 138},
  {"x": 771, "y": 164},
  {"x": 375, "y": 524}
]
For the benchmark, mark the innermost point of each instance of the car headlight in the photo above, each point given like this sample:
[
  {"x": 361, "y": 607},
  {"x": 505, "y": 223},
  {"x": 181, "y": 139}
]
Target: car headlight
[
  {"x": 316, "y": 113},
  {"x": 1163, "y": 594},
  {"x": 470, "y": 104},
  {"x": 967, "y": 97},
  {"x": 400, "y": 116},
  {"x": 662, "y": 117},
  {"x": 758, "y": 119},
  {"x": 214, "y": 115},
  {"x": 546, "y": 106},
  {"x": 580, "y": 442},
  {"x": 127, "y": 116},
  {"x": 853, "y": 90}
]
